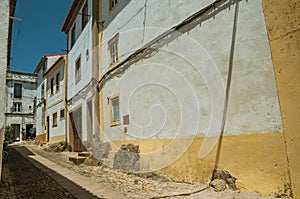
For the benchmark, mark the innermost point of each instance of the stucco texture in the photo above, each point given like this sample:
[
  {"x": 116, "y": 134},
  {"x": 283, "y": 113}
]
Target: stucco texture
[
  {"x": 283, "y": 24},
  {"x": 257, "y": 161}
]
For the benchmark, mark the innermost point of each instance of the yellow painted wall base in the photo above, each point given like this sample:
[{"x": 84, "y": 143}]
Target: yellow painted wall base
[
  {"x": 41, "y": 137},
  {"x": 257, "y": 161},
  {"x": 283, "y": 24},
  {"x": 57, "y": 139}
]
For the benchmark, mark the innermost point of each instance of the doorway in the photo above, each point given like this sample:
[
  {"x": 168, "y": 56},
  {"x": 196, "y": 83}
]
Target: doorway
[
  {"x": 76, "y": 130},
  {"x": 15, "y": 131},
  {"x": 28, "y": 134},
  {"x": 48, "y": 128}
]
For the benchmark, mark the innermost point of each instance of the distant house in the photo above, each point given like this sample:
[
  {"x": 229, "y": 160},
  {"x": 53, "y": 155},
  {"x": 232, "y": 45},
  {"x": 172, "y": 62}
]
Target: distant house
[
  {"x": 56, "y": 100},
  {"x": 46, "y": 62},
  {"x": 81, "y": 25},
  {"x": 20, "y": 104}
]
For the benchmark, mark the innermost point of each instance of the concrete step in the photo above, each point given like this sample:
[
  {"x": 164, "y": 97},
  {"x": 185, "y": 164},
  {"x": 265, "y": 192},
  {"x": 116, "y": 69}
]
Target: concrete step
[
  {"x": 84, "y": 154},
  {"x": 77, "y": 160}
]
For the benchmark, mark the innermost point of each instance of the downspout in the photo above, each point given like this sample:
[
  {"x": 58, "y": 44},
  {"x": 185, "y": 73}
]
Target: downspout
[
  {"x": 228, "y": 84},
  {"x": 66, "y": 91}
]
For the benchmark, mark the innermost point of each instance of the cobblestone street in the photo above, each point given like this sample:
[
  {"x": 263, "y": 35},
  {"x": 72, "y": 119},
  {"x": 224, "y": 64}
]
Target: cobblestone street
[
  {"x": 32, "y": 172},
  {"x": 22, "y": 179}
]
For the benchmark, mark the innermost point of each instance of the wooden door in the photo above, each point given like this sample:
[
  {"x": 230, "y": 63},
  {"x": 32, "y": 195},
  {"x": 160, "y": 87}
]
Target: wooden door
[
  {"x": 76, "y": 130},
  {"x": 48, "y": 128}
]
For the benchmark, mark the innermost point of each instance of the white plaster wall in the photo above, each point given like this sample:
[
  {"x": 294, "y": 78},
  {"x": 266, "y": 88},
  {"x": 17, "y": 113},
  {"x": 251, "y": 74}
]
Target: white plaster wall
[
  {"x": 83, "y": 43},
  {"x": 4, "y": 20},
  {"x": 28, "y": 92},
  {"x": 79, "y": 93},
  {"x": 164, "y": 94},
  {"x": 26, "y": 116},
  {"x": 143, "y": 15},
  {"x": 61, "y": 123},
  {"x": 83, "y": 103},
  {"x": 50, "y": 60},
  {"x": 53, "y": 99},
  {"x": 57, "y": 95}
]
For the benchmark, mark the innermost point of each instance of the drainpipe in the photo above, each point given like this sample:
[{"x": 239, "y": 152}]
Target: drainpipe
[
  {"x": 228, "y": 84},
  {"x": 66, "y": 92}
]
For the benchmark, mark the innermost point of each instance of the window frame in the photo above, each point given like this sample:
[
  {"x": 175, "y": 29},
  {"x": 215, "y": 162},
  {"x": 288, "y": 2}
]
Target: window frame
[
  {"x": 114, "y": 122},
  {"x": 112, "y": 7},
  {"x": 78, "y": 73},
  {"x": 57, "y": 83},
  {"x": 17, "y": 109},
  {"x": 20, "y": 90},
  {"x": 43, "y": 90},
  {"x": 113, "y": 42},
  {"x": 54, "y": 124},
  {"x": 64, "y": 111},
  {"x": 52, "y": 86},
  {"x": 73, "y": 35},
  {"x": 84, "y": 15}
]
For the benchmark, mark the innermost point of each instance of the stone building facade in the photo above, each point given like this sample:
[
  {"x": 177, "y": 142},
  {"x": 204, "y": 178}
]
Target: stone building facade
[
  {"x": 20, "y": 104},
  {"x": 7, "y": 10}
]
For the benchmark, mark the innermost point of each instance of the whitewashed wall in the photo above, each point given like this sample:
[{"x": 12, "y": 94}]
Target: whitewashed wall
[
  {"x": 167, "y": 94},
  {"x": 60, "y": 129},
  {"x": 50, "y": 60},
  {"x": 26, "y": 116},
  {"x": 79, "y": 93}
]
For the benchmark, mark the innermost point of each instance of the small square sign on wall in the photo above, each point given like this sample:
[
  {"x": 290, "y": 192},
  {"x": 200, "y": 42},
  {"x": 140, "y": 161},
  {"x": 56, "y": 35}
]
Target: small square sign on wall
[{"x": 126, "y": 119}]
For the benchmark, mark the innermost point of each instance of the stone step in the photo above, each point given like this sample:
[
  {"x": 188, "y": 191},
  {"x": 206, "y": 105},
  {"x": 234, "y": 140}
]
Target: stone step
[
  {"x": 77, "y": 160},
  {"x": 111, "y": 155},
  {"x": 108, "y": 162},
  {"x": 84, "y": 154}
]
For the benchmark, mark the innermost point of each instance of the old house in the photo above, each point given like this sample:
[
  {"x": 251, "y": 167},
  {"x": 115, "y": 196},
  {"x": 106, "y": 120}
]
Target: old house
[
  {"x": 56, "y": 90},
  {"x": 43, "y": 66},
  {"x": 198, "y": 85},
  {"x": 82, "y": 26},
  {"x": 7, "y": 10},
  {"x": 20, "y": 104},
  {"x": 175, "y": 76}
]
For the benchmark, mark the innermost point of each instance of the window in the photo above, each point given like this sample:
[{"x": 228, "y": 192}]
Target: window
[
  {"x": 57, "y": 82},
  {"x": 114, "y": 111},
  {"x": 17, "y": 90},
  {"x": 73, "y": 36},
  {"x": 113, "y": 49},
  {"x": 78, "y": 70},
  {"x": 54, "y": 120},
  {"x": 85, "y": 15},
  {"x": 17, "y": 107},
  {"x": 62, "y": 113},
  {"x": 52, "y": 86},
  {"x": 43, "y": 90},
  {"x": 112, "y": 4}
]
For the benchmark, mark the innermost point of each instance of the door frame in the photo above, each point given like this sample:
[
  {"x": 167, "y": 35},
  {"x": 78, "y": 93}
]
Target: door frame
[{"x": 72, "y": 132}]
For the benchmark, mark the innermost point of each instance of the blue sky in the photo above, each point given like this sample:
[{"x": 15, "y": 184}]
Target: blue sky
[{"x": 39, "y": 33}]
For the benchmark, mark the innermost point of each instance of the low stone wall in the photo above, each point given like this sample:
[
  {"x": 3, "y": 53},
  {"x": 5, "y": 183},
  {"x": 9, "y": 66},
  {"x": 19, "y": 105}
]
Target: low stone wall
[{"x": 41, "y": 138}]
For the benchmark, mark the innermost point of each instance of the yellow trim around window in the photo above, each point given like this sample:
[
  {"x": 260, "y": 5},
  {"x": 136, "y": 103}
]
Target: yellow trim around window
[
  {"x": 79, "y": 78},
  {"x": 54, "y": 125},
  {"x": 115, "y": 39},
  {"x": 111, "y": 9},
  {"x": 62, "y": 118},
  {"x": 112, "y": 122}
]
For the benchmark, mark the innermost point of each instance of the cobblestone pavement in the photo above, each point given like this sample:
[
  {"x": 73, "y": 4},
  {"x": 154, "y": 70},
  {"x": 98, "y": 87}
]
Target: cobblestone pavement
[
  {"x": 22, "y": 179},
  {"x": 32, "y": 177}
]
